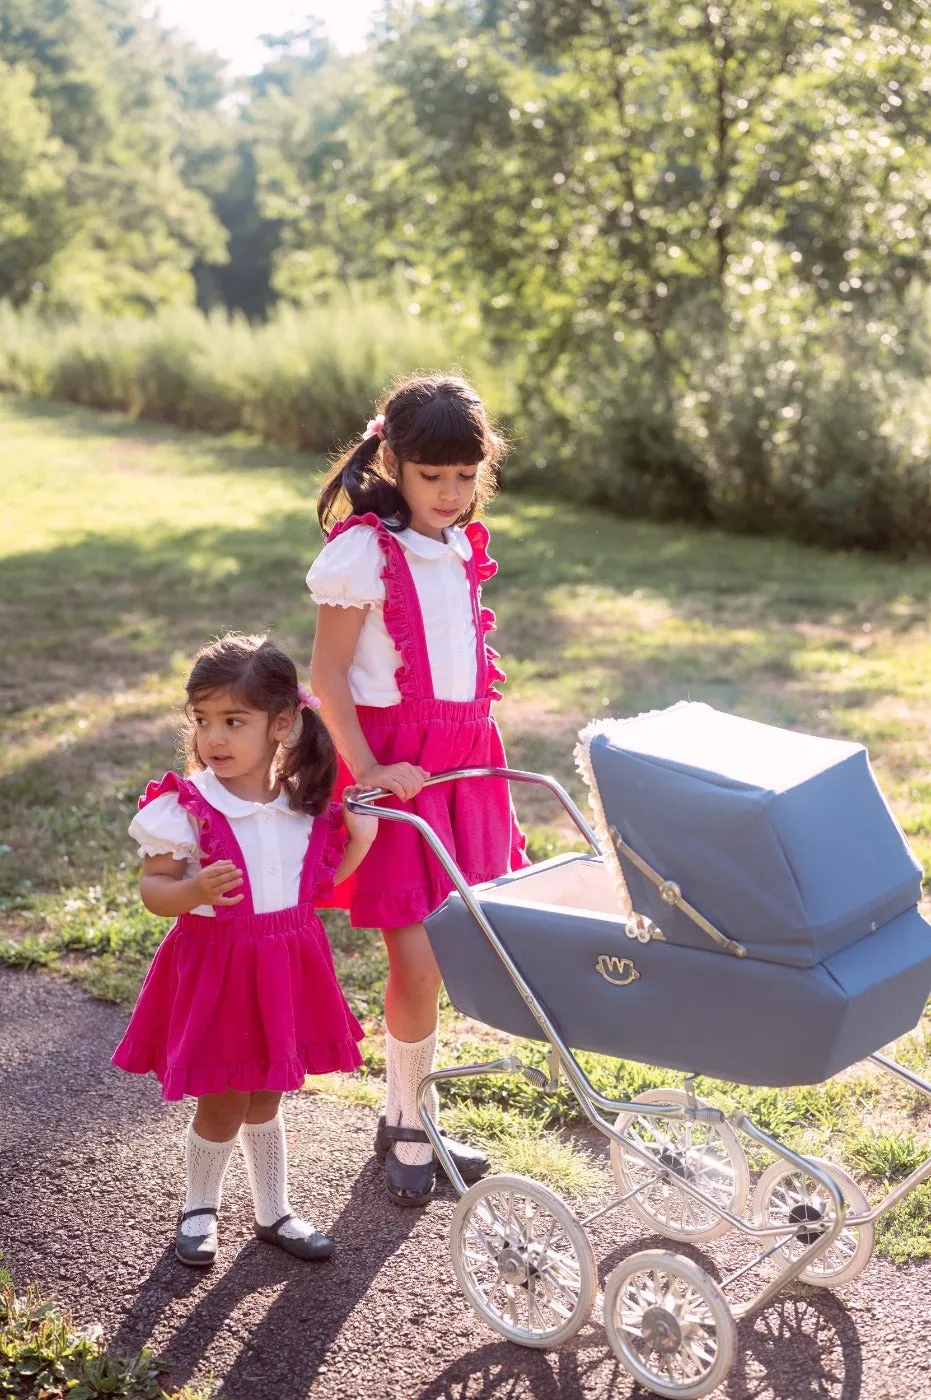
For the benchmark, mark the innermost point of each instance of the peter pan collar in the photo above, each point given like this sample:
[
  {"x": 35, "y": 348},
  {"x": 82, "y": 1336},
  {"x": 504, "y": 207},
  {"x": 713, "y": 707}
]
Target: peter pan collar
[
  {"x": 220, "y": 798},
  {"x": 456, "y": 541}
]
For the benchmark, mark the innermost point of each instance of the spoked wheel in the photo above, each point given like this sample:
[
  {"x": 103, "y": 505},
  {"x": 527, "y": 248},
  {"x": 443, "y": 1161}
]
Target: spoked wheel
[
  {"x": 787, "y": 1195},
  {"x": 523, "y": 1260},
  {"x": 707, "y": 1155},
  {"x": 668, "y": 1322}
]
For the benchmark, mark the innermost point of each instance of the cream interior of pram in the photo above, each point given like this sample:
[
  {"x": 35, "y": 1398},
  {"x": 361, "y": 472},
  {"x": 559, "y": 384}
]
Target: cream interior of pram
[{"x": 579, "y": 882}]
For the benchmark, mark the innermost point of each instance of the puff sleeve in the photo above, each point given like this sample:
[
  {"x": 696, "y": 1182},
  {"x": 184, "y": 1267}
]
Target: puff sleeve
[
  {"x": 347, "y": 573},
  {"x": 164, "y": 828}
]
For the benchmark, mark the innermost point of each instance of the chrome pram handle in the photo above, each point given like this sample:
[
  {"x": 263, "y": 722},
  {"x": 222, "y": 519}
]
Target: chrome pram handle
[{"x": 367, "y": 799}]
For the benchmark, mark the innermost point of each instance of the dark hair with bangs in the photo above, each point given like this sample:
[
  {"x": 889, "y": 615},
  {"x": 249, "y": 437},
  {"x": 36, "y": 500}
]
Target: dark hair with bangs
[
  {"x": 262, "y": 677},
  {"x": 433, "y": 420}
]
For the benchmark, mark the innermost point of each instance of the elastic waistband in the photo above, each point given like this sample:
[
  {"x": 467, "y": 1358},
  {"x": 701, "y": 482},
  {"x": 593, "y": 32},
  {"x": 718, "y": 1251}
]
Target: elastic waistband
[
  {"x": 277, "y": 921},
  {"x": 425, "y": 712}
]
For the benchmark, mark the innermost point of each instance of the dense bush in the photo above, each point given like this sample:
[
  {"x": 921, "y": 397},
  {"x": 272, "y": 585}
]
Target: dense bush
[
  {"x": 812, "y": 433},
  {"x": 796, "y": 427}
]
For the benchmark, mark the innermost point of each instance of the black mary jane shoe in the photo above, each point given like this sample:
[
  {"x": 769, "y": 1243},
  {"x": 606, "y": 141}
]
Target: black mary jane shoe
[
  {"x": 198, "y": 1251},
  {"x": 471, "y": 1164},
  {"x": 315, "y": 1246},
  {"x": 409, "y": 1186}
]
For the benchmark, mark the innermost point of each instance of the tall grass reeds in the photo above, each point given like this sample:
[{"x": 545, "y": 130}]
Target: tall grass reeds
[{"x": 304, "y": 379}]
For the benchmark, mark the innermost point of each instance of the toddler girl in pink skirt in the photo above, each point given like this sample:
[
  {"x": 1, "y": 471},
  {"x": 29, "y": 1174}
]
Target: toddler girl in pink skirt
[
  {"x": 241, "y": 1000},
  {"x": 406, "y": 683}
]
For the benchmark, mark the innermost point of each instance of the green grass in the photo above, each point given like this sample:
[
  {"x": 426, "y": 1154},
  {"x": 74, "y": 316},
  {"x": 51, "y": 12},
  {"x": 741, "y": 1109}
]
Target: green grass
[{"x": 128, "y": 544}]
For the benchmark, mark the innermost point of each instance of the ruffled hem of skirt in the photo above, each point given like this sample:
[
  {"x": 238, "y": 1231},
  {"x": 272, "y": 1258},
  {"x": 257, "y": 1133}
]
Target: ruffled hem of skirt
[{"x": 279, "y": 1076}]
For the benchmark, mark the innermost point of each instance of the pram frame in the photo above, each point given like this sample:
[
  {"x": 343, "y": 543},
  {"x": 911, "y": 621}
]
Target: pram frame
[{"x": 595, "y": 1104}]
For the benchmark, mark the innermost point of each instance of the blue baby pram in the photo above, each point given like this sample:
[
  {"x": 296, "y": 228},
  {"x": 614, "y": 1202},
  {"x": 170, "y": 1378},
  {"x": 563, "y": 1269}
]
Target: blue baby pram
[{"x": 748, "y": 912}]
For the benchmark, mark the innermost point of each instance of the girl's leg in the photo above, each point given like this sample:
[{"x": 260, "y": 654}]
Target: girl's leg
[
  {"x": 265, "y": 1150},
  {"x": 220, "y": 1116},
  {"x": 209, "y": 1144},
  {"x": 411, "y": 998}
]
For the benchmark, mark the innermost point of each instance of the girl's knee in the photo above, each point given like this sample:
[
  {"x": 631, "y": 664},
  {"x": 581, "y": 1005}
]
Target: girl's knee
[
  {"x": 263, "y": 1106},
  {"x": 220, "y": 1116},
  {"x": 412, "y": 975}
]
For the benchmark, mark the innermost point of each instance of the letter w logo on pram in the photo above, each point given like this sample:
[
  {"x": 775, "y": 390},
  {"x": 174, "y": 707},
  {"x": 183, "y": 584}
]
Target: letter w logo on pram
[{"x": 620, "y": 971}]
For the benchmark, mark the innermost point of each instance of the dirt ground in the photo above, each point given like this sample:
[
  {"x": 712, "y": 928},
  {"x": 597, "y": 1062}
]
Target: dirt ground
[{"x": 90, "y": 1164}]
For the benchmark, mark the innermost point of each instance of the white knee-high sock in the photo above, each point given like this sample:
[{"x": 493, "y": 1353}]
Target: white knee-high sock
[
  {"x": 406, "y": 1063},
  {"x": 266, "y": 1153},
  {"x": 206, "y": 1164}
]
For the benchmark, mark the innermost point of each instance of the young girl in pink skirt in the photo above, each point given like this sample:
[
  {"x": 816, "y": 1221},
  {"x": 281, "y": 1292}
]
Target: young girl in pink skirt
[
  {"x": 406, "y": 683},
  {"x": 241, "y": 1000}
]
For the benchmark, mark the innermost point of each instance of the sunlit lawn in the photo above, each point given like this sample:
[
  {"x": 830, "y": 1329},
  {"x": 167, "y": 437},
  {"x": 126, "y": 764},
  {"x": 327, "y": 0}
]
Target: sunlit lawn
[{"x": 125, "y": 545}]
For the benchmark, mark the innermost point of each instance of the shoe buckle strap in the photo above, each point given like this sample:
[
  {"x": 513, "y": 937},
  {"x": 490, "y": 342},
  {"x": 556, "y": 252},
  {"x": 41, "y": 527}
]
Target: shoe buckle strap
[{"x": 405, "y": 1134}]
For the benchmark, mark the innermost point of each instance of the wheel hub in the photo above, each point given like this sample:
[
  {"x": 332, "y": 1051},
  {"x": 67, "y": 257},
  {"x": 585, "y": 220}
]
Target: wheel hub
[
  {"x": 810, "y": 1216},
  {"x": 513, "y": 1266},
  {"x": 661, "y": 1331},
  {"x": 672, "y": 1162}
]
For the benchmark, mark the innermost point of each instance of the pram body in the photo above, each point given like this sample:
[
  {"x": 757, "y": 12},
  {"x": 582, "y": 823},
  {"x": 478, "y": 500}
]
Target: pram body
[
  {"x": 748, "y": 912},
  {"x": 785, "y": 844}
]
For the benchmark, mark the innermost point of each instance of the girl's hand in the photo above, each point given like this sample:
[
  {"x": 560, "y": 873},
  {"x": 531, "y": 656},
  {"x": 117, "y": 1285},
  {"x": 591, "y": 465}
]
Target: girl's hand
[
  {"x": 403, "y": 779},
  {"x": 363, "y": 828},
  {"x": 214, "y": 882}
]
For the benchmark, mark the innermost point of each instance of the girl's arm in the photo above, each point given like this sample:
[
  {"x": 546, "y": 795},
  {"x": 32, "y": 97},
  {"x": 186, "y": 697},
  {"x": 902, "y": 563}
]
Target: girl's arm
[
  {"x": 335, "y": 641},
  {"x": 362, "y": 832},
  {"x": 166, "y": 890}
]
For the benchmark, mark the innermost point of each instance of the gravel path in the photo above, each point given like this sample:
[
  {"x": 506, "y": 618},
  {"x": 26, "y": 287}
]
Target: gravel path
[{"x": 89, "y": 1174}]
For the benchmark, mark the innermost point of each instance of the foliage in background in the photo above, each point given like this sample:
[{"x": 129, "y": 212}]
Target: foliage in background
[
  {"x": 95, "y": 211},
  {"x": 303, "y": 379},
  {"x": 821, "y": 436},
  {"x": 696, "y": 234},
  {"x": 692, "y": 239}
]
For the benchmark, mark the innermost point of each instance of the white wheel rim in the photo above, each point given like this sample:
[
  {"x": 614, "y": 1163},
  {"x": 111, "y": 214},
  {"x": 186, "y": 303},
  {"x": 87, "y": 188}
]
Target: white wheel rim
[
  {"x": 523, "y": 1261},
  {"x": 707, "y": 1155},
  {"x": 670, "y": 1325},
  {"x": 790, "y": 1196}
]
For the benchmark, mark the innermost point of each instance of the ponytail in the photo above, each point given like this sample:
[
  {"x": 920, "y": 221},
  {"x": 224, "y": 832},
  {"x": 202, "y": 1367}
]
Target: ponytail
[
  {"x": 358, "y": 479},
  {"x": 263, "y": 677},
  {"x": 308, "y": 770},
  {"x": 437, "y": 420}
]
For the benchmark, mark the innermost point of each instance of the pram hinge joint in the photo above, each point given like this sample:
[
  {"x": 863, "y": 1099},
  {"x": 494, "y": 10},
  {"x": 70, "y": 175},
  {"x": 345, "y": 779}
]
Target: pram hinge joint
[{"x": 671, "y": 893}]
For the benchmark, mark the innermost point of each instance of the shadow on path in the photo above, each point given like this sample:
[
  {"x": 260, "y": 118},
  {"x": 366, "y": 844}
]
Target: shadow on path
[{"x": 306, "y": 1305}]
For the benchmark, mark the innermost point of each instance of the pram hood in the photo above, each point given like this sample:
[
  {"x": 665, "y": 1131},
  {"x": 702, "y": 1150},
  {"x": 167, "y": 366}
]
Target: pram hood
[{"x": 783, "y": 841}]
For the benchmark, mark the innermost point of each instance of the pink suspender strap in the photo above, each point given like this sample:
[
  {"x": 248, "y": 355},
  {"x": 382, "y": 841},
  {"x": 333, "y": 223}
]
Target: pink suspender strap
[
  {"x": 316, "y": 845},
  {"x": 216, "y": 838},
  {"x": 481, "y": 567},
  {"x": 402, "y": 613}
]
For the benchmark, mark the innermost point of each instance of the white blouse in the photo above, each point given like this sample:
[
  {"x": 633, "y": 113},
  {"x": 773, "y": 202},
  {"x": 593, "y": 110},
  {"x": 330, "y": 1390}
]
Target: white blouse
[
  {"x": 271, "y": 835},
  {"x": 347, "y": 574}
]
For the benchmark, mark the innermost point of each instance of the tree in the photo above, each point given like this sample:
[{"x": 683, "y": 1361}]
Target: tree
[
  {"x": 586, "y": 165},
  {"x": 34, "y": 166},
  {"x": 129, "y": 228}
]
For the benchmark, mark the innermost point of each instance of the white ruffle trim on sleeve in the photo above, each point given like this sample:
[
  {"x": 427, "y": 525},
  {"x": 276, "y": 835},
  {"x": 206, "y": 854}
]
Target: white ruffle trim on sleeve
[
  {"x": 164, "y": 828},
  {"x": 347, "y": 572},
  {"x": 163, "y": 848}
]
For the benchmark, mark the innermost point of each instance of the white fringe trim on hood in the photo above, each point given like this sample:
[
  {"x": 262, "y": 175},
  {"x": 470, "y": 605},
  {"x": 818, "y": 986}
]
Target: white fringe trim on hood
[{"x": 610, "y": 729}]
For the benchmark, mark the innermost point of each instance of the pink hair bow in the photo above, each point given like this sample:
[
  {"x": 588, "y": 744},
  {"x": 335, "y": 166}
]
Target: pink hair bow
[
  {"x": 376, "y": 427},
  {"x": 306, "y": 701}
]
